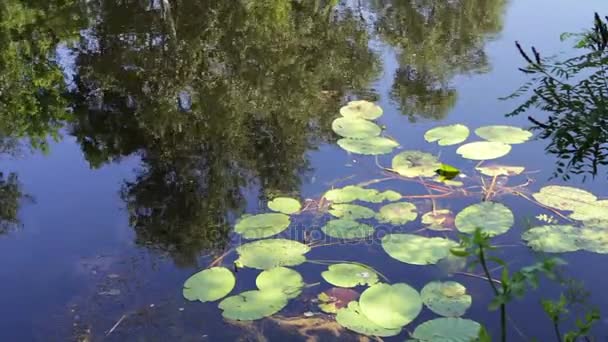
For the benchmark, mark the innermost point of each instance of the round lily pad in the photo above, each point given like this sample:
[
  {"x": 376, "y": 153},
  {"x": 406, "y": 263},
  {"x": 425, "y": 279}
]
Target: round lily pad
[
  {"x": 368, "y": 146},
  {"x": 282, "y": 279},
  {"x": 209, "y": 285},
  {"x": 391, "y": 306},
  {"x": 352, "y": 319},
  {"x": 563, "y": 197},
  {"x": 484, "y": 150},
  {"x": 595, "y": 211},
  {"x": 361, "y": 109},
  {"x": 500, "y": 170},
  {"x": 397, "y": 213},
  {"x": 416, "y": 164},
  {"x": 262, "y": 225},
  {"x": 492, "y": 218},
  {"x": 449, "y": 299},
  {"x": 347, "y": 229},
  {"x": 351, "y": 211},
  {"x": 336, "y": 298},
  {"x": 352, "y": 193},
  {"x": 447, "y": 135},
  {"x": 504, "y": 134},
  {"x": 266, "y": 254},
  {"x": 553, "y": 238},
  {"x": 252, "y": 305},
  {"x": 594, "y": 239},
  {"x": 442, "y": 219},
  {"x": 349, "y": 275},
  {"x": 447, "y": 330},
  {"x": 355, "y": 128},
  {"x": 285, "y": 205},
  {"x": 417, "y": 250}
]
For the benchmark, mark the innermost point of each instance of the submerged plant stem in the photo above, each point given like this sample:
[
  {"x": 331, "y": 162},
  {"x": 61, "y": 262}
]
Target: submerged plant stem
[{"x": 503, "y": 309}]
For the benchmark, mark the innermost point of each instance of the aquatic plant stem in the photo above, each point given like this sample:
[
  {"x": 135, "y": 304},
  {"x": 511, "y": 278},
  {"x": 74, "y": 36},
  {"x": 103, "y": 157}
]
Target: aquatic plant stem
[
  {"x": 503, "y": 309},
  {"x": 558, "y": 334}
]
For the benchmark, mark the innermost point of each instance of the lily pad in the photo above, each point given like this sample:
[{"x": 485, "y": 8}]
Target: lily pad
[
  {"x": 285, "y": 205},
  {"x": 397, "y": 213},
  {"x": 368, "y": 146},
  {"x": 442, "y": 219},
  {"x": 361, "y": 109},
  {"x": 282, "y": 279},
  {"x": 595, "y": 211},
  {"x": 252, "y": 305},
  {"x": 266, "y": 254},
  {"x": 563, "y": 197},
  {"x": 351, "y": 211},
  {"x": 417, "y": 250},
  {"x": 349, "y": 275},
  {"x": 262, "y": 225},
  {"x": 500, "y": 170},
  {"x": 492, "y": 218},
  {"x": 355, "y": 128},
  {"x": 336, "y": 298},
  {"x": 553, "y": 238},
  {"x": 352, "y": 193},
  {"x": 504, "y": 134},
  {"x": 209, "y": 285},
  {"x": 447, "y": 135},
  {"x": 447, "y": 330},
  {"x": 347, "y": 229},
  {"x": 391, "y": 306},
  {"x": 484, "y": 150},
  {"x": 449, "y": 299},
  {"x": 352, "y": 319},
  {"x": 415, "y": 164},
  {"x": 594, "y": 239}
]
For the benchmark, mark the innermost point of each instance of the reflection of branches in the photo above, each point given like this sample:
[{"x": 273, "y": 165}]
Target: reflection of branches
[{"x": 10, "y": 198}]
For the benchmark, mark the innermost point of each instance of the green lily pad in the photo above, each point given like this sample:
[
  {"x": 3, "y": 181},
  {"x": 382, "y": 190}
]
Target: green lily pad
[
  {"x": 504, "y": 134},
  {"x": 368, "y": 146},
  {"x": 449, "y": 182},
  {"x": 553, "y": 238},
  {"x": 449, "y": 299},
  {"x": 594, "y": 239},
  {"x": 282, "y": 279},
  {"x": 483, "y": 150},
  {"x": 391, "y": 306},
  {"x": 209, "y": 285},
  {"x": 352, "y": 319},
  {"x": 563, "y": 197},
  {"x": 492, "y": 218},
  {"x": 349, "y": 275},
  {"x": 266, "y": 254},
  {"x": 351, "y": 211},
  {"x": 262, "y": 226},
  {"x": 252, "y": 305},
  {"x": 415, "y": 164},
  {"x": 285, "y": 205},
  {"x": 361, "y": 109},
  {"x": 440, "y": 220},
  {"x": 352, "y": 193},
  {"x": 500, "y": 170},
  {"x": 595, "y": 211},
  {"x": 447, "y": 330},
  {"x": 447, "y": 135},
  {"x": 397, "y": 213},
  {"x": 417, "y": 250},
  {"x": 336, "y": 298},
  {"x": 355, "y": 128},
  {"x": 347, "y": 229}
]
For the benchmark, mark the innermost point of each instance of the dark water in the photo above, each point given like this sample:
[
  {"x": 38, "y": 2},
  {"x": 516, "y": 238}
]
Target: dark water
[{"x": 172, "y": 119}]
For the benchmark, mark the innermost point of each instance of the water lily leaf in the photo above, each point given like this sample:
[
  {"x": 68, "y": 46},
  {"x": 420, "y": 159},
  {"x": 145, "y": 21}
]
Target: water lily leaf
[
  {"x": 417, "y": 250},
  {"x": 285, "y": 205},
  {"x": 397, "y": 213},
  {"x": 594, "y": 239},
  {"x": 563, "y": 197},
  {"x": 447, "y": 172},
  {"x": 483, "y": 150},
  {"x": 351, "y": 211},
  {"x": 447, "y": 135},
  {"x": 553, "y": 238},
  {"x": 449, "y": 182},
  {"x": 262, "y": 226},
  {"x": 209, "y": 285},
  {"x": 504, "y": 134},
  {"x": 391, "y": 306},
  {"x": 355, "y": 128},
  {"x": 352, "y": 193},
  {"x": 595, "y": 211},
  {"x": 449, "y": 299},
  {"x": 352, "y": 319},
  {"x": 492, "y": 218},
  {"x": 347, "y": 229},
  {"x": 500, "y": 170},
  {"x": 447, "y": 330},
  {"x": 336, "y": 298},
  {"x": 361, "y": 109},
  {"x": 442, "y": 219},
  {"x": 368, "y": 146},
  {"x": 252, "y": 305},
  {"x": 282, "y": 279},
  {"x": 349, "y": 275},
  {"x": 266, "y": 254},
  {"x": 415, "y": 164}
]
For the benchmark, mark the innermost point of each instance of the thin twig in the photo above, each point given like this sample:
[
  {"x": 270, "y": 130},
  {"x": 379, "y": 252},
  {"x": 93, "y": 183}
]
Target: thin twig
[
  {"x": 478, "y": 277},
  {"x": 220, "y": 258},
  {"x": 116, "y": 325}
]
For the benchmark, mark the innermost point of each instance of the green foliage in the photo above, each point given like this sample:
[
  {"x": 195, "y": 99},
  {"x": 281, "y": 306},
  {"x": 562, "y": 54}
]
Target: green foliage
[
  {"x": 417, "y": 250},
  {"x": 368, "y": 146},
  {"x": 350, "y": 275},
  {"x": 281, "y": 279},
  {"x": 397, "y": 213},
  {"x": 415, "y": 164},
  {"x": 253, "y": 305},
  {"x": 347, "y": 229},
  {"x": 262, "y": 225},
  {"x": 447, "y": 299},
  {"x": 209, "y": 285},
  {"x": 447, "y": 330},
  {"x": 270, "y": 253},
  {"x": 484, "y": 150},
  {"x": 447, "y": 135},
  {"x": 492, "y": 218},
  {"x": 355, "y": 128},
  {"x": 285, "y": 205},
  {"x": 391, "y": 306},
  {"x": 503, "y": 134},
  {"x": 354, "y": 319}
]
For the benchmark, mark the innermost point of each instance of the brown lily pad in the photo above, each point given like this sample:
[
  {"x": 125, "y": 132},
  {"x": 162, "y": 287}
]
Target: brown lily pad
[{"x": 330, "y": 301}]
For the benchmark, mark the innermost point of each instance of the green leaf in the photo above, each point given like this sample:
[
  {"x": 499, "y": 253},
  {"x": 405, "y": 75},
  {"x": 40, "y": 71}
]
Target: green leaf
[
  {"x": 361, "y": 109},
  {"x": 349, "y": 275},
  {"x": 266, "y": 254},
  {"x": 440, "y": 220},
  {"x": 564, "y": 197},
  {"x": 447, "y": 330},
  {"x": 252, "y": 305},
  {"x": 285, "y": 205},
  {"x": 492, "y": 218},
  {"x": 209, "y": 285},
  {"x": 351, "y": 211},
  {"x": 397, "y": 213},
  {"x": 417, "y": 250},
  {"x": 352, "y": 319},
  {"x": 500, "y": 170},
  {"x": 447, "y": 135},
  {"x": 347, "y": 229},
  {"x": 368, "y": 146},
  {"x": 553, "y": 238},
  {"x": 503, "y": 134},
  {"x": 282, "y": 279},
  {"x": 391, "y": 306},
  {"x": 355, "y": 128},
  {"x": 595, "y": 211},
  {"x": 352, "y": 193},
  {"x": 446, "y": 298},
  {"x": 415, "y": 164},
  {"x": 262, "y": 226},
  {"x": 483, "y": 150}
]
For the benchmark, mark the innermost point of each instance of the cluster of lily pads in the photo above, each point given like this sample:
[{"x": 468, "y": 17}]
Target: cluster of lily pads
[{"x": 383, "y": 309}]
